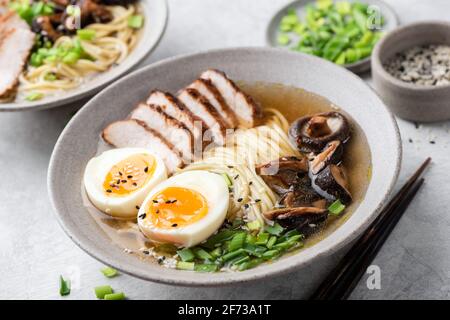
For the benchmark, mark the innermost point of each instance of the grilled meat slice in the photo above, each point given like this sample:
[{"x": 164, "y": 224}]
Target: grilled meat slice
[
  {"x": 170, "y": 128},
  {"x": 134, "y": 133},
  {"x": 245, "y": 108}
]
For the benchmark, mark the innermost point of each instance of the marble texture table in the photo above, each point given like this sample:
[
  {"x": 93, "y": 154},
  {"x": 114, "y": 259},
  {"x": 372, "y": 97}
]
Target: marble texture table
[{"x": 34, "y": 251}]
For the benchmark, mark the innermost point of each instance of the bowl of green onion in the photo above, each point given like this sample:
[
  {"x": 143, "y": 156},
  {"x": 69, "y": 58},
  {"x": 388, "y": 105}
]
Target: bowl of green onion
[{"x": 344, "y": 32}]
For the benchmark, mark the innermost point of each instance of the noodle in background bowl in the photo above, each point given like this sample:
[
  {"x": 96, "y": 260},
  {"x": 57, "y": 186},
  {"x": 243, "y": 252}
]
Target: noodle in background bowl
[
  {"x": 155, "y": 14},
  {"x": 79, "y": 142}
]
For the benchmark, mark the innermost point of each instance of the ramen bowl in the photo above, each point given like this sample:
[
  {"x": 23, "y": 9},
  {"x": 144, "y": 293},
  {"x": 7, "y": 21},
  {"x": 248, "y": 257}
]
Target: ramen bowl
[
  {"x": 79, "y": 142},
  {"x": 155, "y": 14}
]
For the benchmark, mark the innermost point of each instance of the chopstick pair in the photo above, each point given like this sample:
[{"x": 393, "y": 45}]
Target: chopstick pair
[{"x": 341, "y": 281}]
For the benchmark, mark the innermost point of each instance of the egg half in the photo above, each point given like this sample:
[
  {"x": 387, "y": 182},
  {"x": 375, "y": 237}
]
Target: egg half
[
  {"x": 117, "y": 181},
  {"x": 185, "y": 209}
]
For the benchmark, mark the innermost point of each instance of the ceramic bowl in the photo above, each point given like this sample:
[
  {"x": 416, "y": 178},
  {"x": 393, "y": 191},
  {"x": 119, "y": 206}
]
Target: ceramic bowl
[
  {"x": 409, "y": 101},
  {"x": 156, "y": 15},
  {"x": 272, "y": 31},
  {"x": 79, "y": 142}
]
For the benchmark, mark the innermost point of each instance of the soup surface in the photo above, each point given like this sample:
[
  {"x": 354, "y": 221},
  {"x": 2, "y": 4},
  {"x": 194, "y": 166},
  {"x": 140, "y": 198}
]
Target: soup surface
[{"x": 292, "y": 103}]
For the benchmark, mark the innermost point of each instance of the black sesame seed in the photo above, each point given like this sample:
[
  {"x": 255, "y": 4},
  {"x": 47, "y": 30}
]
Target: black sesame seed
[
  {"x": 155, "y": 201},
  {"x": 160, "y": 260},
  {"x": 246, "y": 206},
  {"x": 118, "y": 181},
  {"x": 175, "y": 225},
  {"x": 433, "y": 142},
  {"x": 146, "y": 169},
  {"x": 168, "y": 201},
  {"x": 120, "y": 173},
  {"x": 137, "y": 207},
  {"x": 129, "y": 176},
  {"x": 410, "y": 140},
  {"x": 135, "y": 184},
  {"x": 235, "y": 177},
  {"x": 173, "y": 201},
  {"x": 146, "y": 252},
  {"x": 109, "y": 190},
  {"x": 250, "y": 183},
  {"x": 157, "y": 211},
  {"x": 142, "y": 216},
  {"x": 239, "y": 200},
  {"x": 124, "y": 181},
  {"x": 230, "y": 167},
  {"x": 257, "y": 200}
]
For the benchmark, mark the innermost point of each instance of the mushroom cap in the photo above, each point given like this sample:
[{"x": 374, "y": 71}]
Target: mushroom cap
[
  {"x": 312, "y": 133},
  {"x": 331, "y": 154},
  {"x": 332, "y": 184}
]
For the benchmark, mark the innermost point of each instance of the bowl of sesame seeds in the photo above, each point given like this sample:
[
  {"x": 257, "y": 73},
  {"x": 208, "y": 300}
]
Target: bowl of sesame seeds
[{"x": 411, "y": 71}]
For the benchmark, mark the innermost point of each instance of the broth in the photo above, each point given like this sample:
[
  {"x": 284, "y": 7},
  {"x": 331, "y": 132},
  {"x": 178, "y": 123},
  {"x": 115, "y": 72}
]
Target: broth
[{"x": 293, "y": 103}]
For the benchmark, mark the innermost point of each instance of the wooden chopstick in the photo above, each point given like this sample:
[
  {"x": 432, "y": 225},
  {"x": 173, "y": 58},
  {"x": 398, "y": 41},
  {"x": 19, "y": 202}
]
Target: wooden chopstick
[{"x": 348, "y": 265}]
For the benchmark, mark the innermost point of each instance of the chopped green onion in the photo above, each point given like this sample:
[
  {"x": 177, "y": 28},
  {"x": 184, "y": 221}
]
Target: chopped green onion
[
  {"x": 206, "y": 267},
  {"x": 86, "y": 34},
  {"x": 64, "y": 286},
  {"x": 219, "y": 238},
  {"x": 274, "y": 230},
  {"x": 186, "y": 254},
  {"x": 250, "y": 264},
  {"x": 50, "y": 77},
  {"x": 283, "y": 39},
  {"x": 288, "y": 234},
  {"x": 270, "y": 254},
  {"x": 227, "y": 179},
  {"x": 237, "y": 242},
  {"x": 254, "y": 250},
  {"x": 254, "y": 225},
  {"x": 262, "y": 238},
  {"x": 241, "y": 260},
  {"x": 336, "y": 207},
  {"x": 251, "y": 239},
  {"x": 182, "y": 265},
  {"x": 71, "y": 58},
  {"x": 271, "y": 242},
  {"x": 232, "y": 254},
  {"x": 202, "y": 254},
  {"x": 115, "y": 296},
  {"x": 217, "y": 252},
  {"x": 34, "y": 96},
  {"x": 136, "y": 21},
  {"x": 101, "y": 291},
  {"x": 109, "y": 272}
]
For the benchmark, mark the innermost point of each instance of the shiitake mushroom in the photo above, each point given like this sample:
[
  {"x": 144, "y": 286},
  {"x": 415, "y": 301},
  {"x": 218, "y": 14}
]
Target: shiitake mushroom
[
  {"x": 312, "y": 133},
  {"x": 332, "y": 184},
  {"x": 305, "y": 219}
]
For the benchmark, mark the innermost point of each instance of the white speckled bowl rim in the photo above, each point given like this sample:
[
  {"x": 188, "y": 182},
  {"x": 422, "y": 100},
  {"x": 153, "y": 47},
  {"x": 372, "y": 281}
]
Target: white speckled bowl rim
[
  {"x": 78, "y": 143},
  {"x": 356, "y": 67},
  {"x": 156, "y": 14}
]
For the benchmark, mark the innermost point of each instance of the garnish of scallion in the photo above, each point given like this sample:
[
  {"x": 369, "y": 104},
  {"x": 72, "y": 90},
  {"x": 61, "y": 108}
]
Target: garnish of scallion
[
  {"x": 136, "y": 21},
  {"x": 336, "y": 208},
  {"x": 34, "y": 96},
  {"x": 64, "y": 286},
  {"x": 109, "y": 272},
  {"x": 102, "y": 291}
]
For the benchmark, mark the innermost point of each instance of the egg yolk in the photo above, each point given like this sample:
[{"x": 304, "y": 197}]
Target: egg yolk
[
  {"x": 129, "y": 175},
  {"x": 176, "y": 207}
]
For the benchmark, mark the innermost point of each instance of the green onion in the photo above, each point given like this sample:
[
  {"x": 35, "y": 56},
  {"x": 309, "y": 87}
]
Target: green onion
[
  {"x": 232, "y": 255},
  {"x": 254, "y": 250},
  {"x": 336, "y": 207},
  {"x": 50, "y": 77},
  {"x": 101, "y": 291},
  {"x": 136, "y": 21},
  {"x": 241, "y": 260},
  {"x": 288, "y": 234},
  {"x": 270, "y": 254},
  {"x": 251, "y": 239},
  {"x": 182, "y": 265},
  {"x": 219, "y": 238},
  {"x": 217, "y": 252},
  {"x": 271, "y": 242},
  {"x": 206, "y": 267},
  {"x": 283, "y": 39},
  {"x": 262, "y": 238},
  {"x": 115, "y": 296},
  {"x": 237, "y": 242},
  {"x": 34, "y": 96},
  {"x": 274, "y": 230},
  {"x": 86, "y": 34},
  {"x": 71, "y": 58},
  {"x": 202, "y": 254},
  {"x": 109, "y": 272},
  {"x": 64, "y": 286},
  {"x": 227, "y": 179},
  {"x": 250, "y": 264},
  {"x": 186, "y": 254},
  {"x": 254, "y": 225}
]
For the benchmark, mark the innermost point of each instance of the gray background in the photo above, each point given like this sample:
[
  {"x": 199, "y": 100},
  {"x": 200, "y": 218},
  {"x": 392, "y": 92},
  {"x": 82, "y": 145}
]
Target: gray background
[{"x": 34, "y": 251}]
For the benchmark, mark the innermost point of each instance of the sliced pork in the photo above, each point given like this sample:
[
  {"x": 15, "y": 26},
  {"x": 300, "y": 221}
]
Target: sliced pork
[
  {"x": 210, "y": 92},
  {"x": 134, "y": 133},
  {"x": 245, "y": 108},
  {"x": 170, "y": 128},
  {"x": 174, "y": 108},
  {"x": 16, "y": 42},
  {"x": 200, "y": 106}
]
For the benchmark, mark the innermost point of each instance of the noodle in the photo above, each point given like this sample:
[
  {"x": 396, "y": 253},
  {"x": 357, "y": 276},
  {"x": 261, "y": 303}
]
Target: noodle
[
  {"x": 112, "y": 44},
  {"x": 250, "y": 195}
]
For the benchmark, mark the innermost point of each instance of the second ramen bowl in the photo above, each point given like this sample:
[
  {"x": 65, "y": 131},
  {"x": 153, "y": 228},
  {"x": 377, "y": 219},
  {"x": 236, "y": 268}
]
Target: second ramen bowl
[{"x": 79, "y": 142}]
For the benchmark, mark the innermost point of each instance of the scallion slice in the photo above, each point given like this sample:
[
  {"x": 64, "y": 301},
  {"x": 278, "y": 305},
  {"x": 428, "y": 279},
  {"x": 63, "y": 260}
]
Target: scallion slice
[
  {"x": 115, "y": 296},
  {"x": 86, "y": 34},
  {"x": 64, "y": 286},
  {"x": 336, "y": 208},
  {"x": 136, "y": 21},
  {"x": 109, "y": 272},
  {"x": 34, "y": 96},
  {"x": 275, "y": 230},
  {"x": 101, "y": 291},
  {"x": 186, "y": 254},
  {"x": 183, "y": 265}
]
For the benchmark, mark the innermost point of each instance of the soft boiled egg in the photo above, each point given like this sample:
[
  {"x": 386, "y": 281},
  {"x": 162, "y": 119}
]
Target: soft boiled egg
[
  {"x": 117, "y": 181},
  {"x": 185, "y": 209}
]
